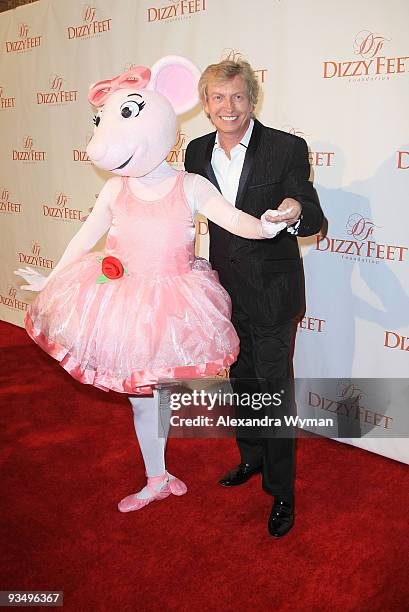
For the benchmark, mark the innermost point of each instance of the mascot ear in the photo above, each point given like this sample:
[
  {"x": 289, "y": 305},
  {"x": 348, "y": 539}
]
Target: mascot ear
[{"x": 176, "y": 78}]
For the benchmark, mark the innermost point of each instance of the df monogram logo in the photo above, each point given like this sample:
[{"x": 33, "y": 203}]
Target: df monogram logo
[
  {"x": 61, "y": 199},
  {"x": 23, "y": 30},
  {"x": 55, "y": 82},
  {"x": 35, "y": 249},
  {"x": 367, "y": 44},
  {"x": 88, "y": 13},
  {"x": 359, "y": 227}
]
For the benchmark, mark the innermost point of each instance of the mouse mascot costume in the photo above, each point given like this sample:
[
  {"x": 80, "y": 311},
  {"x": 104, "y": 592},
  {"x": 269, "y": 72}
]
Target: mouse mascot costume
[{"x": 144, "y": 310}]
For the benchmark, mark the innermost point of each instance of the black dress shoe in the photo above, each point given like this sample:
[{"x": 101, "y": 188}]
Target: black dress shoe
[
  {"x": 239, "y": 475},
  {"x": 281, "y": 518}
]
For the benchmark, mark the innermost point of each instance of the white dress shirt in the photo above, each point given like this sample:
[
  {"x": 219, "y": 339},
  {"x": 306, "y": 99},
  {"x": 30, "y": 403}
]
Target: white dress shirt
[{"x": 228, "y": 171}]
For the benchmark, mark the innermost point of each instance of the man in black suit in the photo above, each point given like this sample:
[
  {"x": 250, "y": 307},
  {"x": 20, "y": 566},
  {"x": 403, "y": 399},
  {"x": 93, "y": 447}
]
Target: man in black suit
[{"x": 258, "y": 168}]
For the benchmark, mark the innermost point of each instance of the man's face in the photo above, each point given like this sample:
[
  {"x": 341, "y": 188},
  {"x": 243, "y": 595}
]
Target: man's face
[{"x": 229, "y": 107}]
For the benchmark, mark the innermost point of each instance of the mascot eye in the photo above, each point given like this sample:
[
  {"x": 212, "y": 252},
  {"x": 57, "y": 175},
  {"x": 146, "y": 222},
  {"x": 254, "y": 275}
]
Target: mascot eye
[
  {"x": 96, "y": 119},
  {"x": 131, "y": 108}
]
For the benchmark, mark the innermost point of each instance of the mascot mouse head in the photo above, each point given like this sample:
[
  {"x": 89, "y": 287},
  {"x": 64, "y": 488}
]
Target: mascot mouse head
[{"x": 135, "y": 127}]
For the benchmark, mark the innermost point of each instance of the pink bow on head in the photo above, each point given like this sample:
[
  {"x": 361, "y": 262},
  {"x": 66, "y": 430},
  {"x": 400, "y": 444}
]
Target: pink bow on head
[{"x": 135, "y": 78}]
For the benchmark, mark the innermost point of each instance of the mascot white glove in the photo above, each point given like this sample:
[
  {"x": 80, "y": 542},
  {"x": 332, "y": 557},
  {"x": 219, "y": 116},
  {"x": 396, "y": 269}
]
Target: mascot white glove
[
  {"x": 36, "y": 281},
  {"x": 271, "y": 228}
]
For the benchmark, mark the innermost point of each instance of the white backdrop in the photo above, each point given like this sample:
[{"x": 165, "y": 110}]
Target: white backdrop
[{"x": 334, "y": 73}]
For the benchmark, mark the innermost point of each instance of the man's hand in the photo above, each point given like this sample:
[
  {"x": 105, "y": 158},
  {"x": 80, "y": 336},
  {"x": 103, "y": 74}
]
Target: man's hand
[
  {"x": 36, "y": 281},
  {"x": 290, "y": 211}
]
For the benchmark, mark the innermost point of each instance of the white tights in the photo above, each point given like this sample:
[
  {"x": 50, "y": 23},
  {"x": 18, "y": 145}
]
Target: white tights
[{"x": 151, "y": 421}]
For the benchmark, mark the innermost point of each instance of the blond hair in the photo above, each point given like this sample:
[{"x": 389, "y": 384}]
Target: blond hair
[{"x": 225, "y": 70}]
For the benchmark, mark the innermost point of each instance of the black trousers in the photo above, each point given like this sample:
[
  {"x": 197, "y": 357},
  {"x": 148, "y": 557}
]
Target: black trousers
[{"x": 264, "y": 365}]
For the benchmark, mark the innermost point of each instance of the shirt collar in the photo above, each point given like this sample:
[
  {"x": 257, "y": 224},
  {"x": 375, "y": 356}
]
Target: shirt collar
[{"x": 244, "y": 141}]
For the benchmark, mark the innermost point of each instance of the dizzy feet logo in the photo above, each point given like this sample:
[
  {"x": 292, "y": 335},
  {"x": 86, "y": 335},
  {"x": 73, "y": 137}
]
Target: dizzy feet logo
[
  {"x": 56, "y": 94},
  {"x": 24, "y": 41},
  {"x": 10, "y": 299},
  {"x": 60, "y": 209},
  {"x": 370, "y": 64},
  {"x": 90, "y": 26},
  {"x": 175, "y": 10},
  {"x": 359, "y": 247},
  {"x": 28, "y": 153},
  {"x": 34, "y": 258},
  {"x": 7, "y": 206}
]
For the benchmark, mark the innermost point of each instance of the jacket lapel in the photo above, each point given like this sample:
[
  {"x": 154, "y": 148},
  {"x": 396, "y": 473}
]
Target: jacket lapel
[
  {"x": 208, "y": 161},
  {"x": 248, "y": 161}
]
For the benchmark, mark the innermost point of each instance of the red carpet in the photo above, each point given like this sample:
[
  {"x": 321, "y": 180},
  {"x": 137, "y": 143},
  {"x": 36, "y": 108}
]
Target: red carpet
[{"x": 68, "y": 455}]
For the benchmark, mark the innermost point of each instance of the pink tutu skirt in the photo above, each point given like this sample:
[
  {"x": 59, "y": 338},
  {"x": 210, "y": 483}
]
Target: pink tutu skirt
[{"x": 132, "y": 333}]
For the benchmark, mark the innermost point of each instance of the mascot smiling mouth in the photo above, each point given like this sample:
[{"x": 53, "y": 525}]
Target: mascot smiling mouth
[{"x": 124, "y": 164}]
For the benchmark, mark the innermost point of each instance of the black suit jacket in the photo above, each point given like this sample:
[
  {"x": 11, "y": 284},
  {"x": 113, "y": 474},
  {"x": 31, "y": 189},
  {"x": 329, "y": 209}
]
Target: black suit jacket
[{"x": 263, "y": 277}]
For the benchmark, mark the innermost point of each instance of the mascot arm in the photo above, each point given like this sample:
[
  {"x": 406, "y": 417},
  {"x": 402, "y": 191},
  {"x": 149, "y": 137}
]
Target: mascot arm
[
  {"x": 209, "y": 202},
  {"x": 97, "y": 223}
]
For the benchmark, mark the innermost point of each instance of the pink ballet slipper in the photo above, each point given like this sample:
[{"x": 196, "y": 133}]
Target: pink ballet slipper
[
  {"x": 176, "y": 486},
  {"x": 158, "y": 487}
]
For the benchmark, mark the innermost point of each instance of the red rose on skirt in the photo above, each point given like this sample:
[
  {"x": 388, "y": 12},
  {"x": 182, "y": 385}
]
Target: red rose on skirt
[{"x": 112, "y": 267}]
